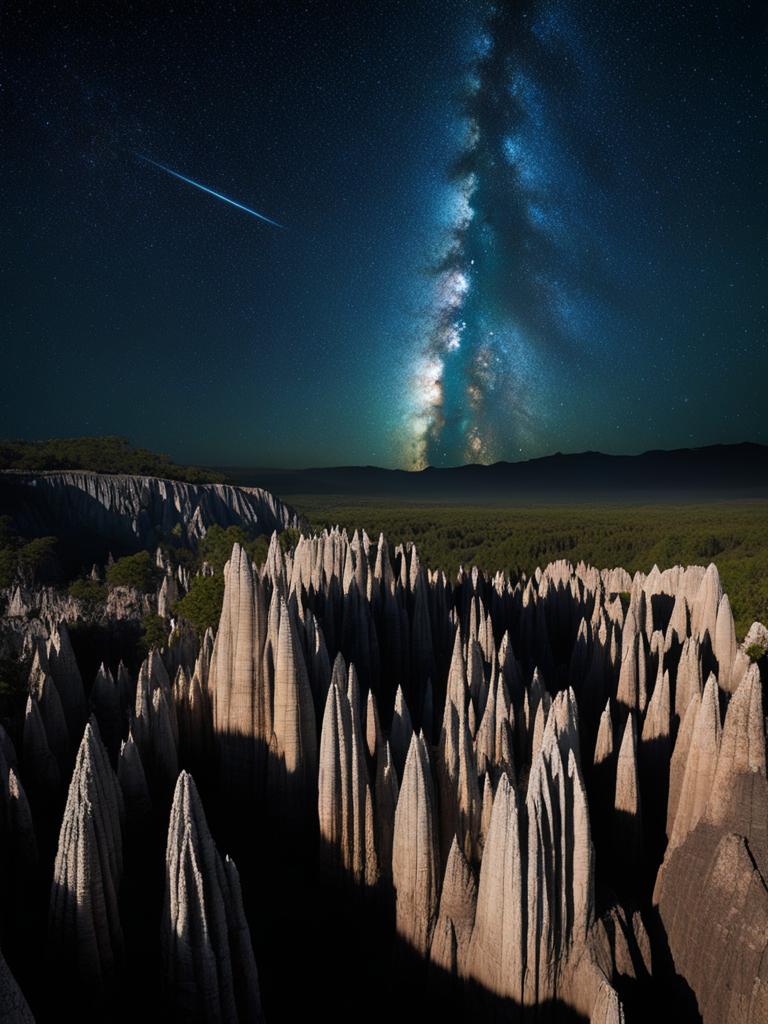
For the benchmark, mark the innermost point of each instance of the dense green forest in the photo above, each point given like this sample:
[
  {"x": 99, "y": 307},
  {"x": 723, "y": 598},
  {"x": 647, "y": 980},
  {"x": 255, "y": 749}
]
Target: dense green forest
[
  {"x": 100, "y": 454},
  {"x": 733, "y": 535},
  {"x": 23, "y": 558}
]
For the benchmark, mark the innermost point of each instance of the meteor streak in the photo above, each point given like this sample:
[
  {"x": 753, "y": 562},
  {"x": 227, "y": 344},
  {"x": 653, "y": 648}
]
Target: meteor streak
[{"x": 210, "y": 191}]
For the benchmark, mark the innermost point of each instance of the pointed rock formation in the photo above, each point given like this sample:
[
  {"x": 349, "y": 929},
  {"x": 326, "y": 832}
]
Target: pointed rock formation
[
  {"x": 293, "y": 749},
  {"x": 84, "y": 922},
  {"x": 679, "y": 758},
  {"x": 415, "y": 861},
  {"x": 456, "y": 918},
  {"x": 710, "y": 890},
  {"x": 105, "y": 701},
  {"x": 41, "y": 770},
  {"x": 700, "y": 765},
  {"x": 741, "y": 758},
  {"x": 209, "y": 965},
  {"x": 604, "y": 754},
  {"x": 497, "y": 949},
  {"x": 239, "y": 679},
  {"x": 133, "y": 782},
  {"x": 401, "y": 733},
  {"x": 385, "y": 797},
  {"x": 54, "y": 722},
  {"x": 627, "y": 820},
  {"x": 345, "y": 810},
  {"x": 725, "y": 646},
  {"x": 66, "y": 675}
]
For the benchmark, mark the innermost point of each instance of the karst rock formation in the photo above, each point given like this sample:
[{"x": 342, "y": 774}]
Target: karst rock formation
[
  {"x": 136, "y": 510},
  {"x": 491, "y": 797}
]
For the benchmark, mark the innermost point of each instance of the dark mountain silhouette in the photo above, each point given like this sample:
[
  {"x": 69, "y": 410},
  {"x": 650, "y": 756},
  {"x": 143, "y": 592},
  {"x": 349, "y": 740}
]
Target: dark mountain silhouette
[{"x": 717, "y": 471}]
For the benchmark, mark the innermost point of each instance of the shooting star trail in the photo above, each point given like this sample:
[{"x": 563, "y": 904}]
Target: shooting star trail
[{"x": 210, "y": 191}]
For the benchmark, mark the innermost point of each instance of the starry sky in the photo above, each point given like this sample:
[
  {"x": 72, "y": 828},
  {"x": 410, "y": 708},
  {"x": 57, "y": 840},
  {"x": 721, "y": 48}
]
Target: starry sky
[{"x": 506, "y": 229}]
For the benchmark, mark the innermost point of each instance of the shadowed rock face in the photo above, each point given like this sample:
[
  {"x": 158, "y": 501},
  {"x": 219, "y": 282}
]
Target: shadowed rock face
[
  {"x": 84, "y": 919},
  {"x": 239, "y": 681},
  {"x": 66, "y": 675},
  {"x": 456, "y": 919},
  {"x": 345, "y": 800},
  {"x": 13, "y": 1005},
  {"x": 711, "y": 889},
  {"x": 136, "y": 511},
  {"x": 498, "y": 945},
  {"x": 514, "y": 799},
  {"x": 415, "y": 860},
  {"x": 209, "y": 966},
  {"x": 293, "y": 747}
]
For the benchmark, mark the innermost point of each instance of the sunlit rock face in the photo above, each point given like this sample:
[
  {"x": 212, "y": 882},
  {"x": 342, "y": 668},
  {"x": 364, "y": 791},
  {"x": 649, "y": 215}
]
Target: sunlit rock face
[{"x": 524, "y": 798}]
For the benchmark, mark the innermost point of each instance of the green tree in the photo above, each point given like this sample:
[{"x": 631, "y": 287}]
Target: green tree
[
  {"x": 100, "y": 455},
  {"x": 137, "y": 571},
  {"x": 154, "y": 633},
  {"x": 91, "y": 593},
  {"x": 289, "y": 538},
  {"x": 37, "y": 560},
  {"x": 201, "y": 605},
  {"x": 216, "y": 546}
]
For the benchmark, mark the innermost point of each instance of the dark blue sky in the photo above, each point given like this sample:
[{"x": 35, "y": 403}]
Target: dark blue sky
[{"x": 509, "y": 231}]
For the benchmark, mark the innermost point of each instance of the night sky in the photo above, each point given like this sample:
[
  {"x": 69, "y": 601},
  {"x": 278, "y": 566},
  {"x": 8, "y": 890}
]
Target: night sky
[{"x": 506, "y": 230}]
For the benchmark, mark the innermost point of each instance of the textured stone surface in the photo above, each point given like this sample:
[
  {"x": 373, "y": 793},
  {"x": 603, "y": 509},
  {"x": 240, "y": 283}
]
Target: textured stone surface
[
  {"x": 137, "y": 510},
  {"x": 498, "y": 944},
  {"x": 209, "y": 965},
  {"x": 449, "y": 750},
  {"x": 13, "y": 1005},
  {"x": 456, "y": 917},
  {"x": 84, "y": 919},
  {"x": 345, "y": 799},
  {"x": 415, "y": 859}
]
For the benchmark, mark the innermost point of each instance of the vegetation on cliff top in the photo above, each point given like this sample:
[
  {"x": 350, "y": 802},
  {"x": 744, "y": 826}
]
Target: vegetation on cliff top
[{"x": 100, "y": 455}]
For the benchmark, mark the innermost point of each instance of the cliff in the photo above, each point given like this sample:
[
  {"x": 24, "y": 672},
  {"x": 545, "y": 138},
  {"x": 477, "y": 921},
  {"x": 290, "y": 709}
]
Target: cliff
[{"x": 130, "y": 512}]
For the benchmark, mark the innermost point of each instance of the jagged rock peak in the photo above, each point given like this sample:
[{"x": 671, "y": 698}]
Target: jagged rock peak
[
  {"x": 133, "y": 782},
  {"x": 742, "y": 746},
  {"x": 84, "y": 921},
  {"x": 498, "y": 945},
  {"x": 240, "y": 687},
  {"x": 415, "y": 860},
  {"x": 66, "y": 675},
  {"x": 456, "y": 918},
  {"x": 293, "y": 748},
  {"x": 345, "y": 801},
  {"x": 700, "y": 766},
  {"x": 401, "y": 733},
  {"x": 210, "y": 969}
]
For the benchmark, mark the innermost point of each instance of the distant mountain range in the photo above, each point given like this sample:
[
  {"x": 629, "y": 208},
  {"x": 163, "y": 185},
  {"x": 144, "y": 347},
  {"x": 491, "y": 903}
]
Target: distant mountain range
[{"x": 685, "y": 474}]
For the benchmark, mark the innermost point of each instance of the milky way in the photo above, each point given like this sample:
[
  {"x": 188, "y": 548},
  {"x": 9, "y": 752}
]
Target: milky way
[
  {"x": 512, "y": 232},
  {"x": 504, "y": 300}
]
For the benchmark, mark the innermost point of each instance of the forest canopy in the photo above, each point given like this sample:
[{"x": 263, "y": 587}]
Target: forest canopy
[{"x": 99, "y": 455}]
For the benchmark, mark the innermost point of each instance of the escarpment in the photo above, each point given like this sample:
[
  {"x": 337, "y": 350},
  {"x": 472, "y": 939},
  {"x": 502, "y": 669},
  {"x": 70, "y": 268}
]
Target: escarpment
[
  {"x": 135, "y": 511},
  {"x": 482, "y": 796}
]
